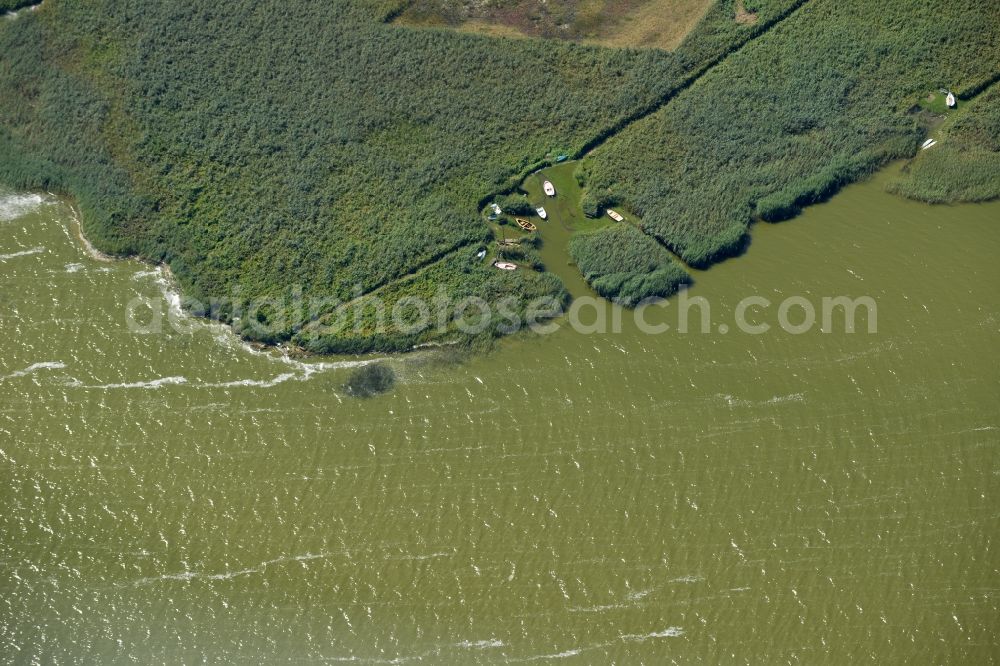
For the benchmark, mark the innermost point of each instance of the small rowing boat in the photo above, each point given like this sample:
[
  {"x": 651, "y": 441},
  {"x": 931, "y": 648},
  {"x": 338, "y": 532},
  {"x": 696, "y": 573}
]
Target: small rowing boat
[
  {"x": 615, "y": 216},
  {"x": 549, "y": 188},
  {"x": 481, "y": 254},
  {"x": 505, "y": 265},
  {"x": 541, "y": 213},
  {"x": 524, "y": 224},
  {"x": 950, "y": 100}
]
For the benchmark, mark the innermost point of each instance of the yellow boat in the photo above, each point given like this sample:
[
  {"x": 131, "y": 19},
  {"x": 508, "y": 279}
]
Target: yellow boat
[{"x": 524, "y": 224}]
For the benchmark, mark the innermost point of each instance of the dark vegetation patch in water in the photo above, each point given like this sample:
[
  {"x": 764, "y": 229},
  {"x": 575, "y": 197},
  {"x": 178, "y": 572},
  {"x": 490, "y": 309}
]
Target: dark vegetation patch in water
[{"x": 370, "y": 380}]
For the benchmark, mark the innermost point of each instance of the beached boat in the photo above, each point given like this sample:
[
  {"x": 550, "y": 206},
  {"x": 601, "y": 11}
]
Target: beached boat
[
  {"x": 541, "y": 213},
  {"x": 615, "y": 216},
  {"x": 524, "y": 224},
  {"x": 951, "y": 101},
  {"x": 549, "y": 188},
  {"x": 928, "y": 143},
  {"x": 505, "y": 265},
  {"x": 481, "y": 254}
]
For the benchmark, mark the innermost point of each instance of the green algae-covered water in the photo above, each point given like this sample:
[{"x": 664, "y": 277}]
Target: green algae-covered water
[{"x": 606, "y": 498}]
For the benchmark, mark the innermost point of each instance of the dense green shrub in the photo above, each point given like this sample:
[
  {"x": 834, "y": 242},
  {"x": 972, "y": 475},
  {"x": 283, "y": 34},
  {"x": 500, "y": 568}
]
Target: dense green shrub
[
  {"x": 623, "y": 264},
  {"x": 366, "y": 323}
]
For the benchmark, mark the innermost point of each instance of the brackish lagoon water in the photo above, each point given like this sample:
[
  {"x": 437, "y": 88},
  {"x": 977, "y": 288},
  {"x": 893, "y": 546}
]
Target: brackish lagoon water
[{"x": 570, "y": 499}]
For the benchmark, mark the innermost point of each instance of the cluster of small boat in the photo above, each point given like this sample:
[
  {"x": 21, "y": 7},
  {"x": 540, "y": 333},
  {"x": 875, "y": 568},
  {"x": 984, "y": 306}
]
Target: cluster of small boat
[{"x": 526, "y": 225}]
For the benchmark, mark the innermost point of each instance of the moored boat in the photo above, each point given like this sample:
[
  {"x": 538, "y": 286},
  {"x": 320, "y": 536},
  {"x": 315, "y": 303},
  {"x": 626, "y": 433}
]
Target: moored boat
[
  {"x": 524, "y": 224},
  {"x": 541, "y": 213},
  {"x": 549, "y": 188}
]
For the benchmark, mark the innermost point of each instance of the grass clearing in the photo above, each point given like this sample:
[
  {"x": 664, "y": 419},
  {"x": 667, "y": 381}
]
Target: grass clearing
[{"x": 661, "y": 24}]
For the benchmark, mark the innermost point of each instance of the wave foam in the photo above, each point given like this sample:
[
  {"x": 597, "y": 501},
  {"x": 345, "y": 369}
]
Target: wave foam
[
  {"x": 47, "y": 365},
  {"x": 18, "y": 205},
  {"x": 152, "y": 384},
  {"x": 670, "y": 632},
  {"x": 22, "y": 253}
]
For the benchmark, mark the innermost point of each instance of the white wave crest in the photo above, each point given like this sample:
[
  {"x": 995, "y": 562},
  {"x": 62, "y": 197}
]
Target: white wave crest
[
  {"x": 226, "y": 575},
  {"x": 480, "y": 645},
  {"x": 22, "y": 253},
  {"x": 670, "y": 632},
  {"x": 152, "y": 384},
  {"x": 47, "y": 365},
  {"x": 262, "y": 383}
]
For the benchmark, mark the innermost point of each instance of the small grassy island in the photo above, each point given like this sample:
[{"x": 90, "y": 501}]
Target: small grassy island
[
  {"x": 624, "y": 265},
  {"x": 332, "y": 150}
]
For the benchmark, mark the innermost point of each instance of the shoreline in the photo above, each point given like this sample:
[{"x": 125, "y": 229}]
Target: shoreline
[
  {"x": 173, "y": 292},
  {"x": 88, "y": 247}
]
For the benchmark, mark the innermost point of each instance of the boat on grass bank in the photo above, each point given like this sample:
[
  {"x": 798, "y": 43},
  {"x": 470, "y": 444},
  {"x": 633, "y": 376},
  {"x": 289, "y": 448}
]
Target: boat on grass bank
[
  {"x": 615, "y": 216},
  {"x": 505, "y": 265},
  {"x": 524, "y": 224}
]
